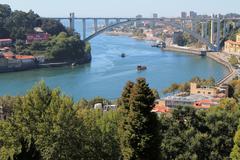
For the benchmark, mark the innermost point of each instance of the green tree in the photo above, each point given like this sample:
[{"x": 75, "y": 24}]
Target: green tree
[
  {"x": 233, "y": 60},
  {"x": 52, "y": 27},
  {"x": 138, "y": 129},
  {"x": 43, "y": 126},
  {"x": 235, "y": 154}
]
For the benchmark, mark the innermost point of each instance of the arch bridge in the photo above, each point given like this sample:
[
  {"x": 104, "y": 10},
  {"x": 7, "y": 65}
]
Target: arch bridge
[{"x": 210, "y": 36}]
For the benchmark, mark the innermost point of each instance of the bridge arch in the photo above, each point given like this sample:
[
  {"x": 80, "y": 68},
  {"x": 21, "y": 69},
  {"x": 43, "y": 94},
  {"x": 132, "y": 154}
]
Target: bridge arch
[{"x": 171, "y": 23}]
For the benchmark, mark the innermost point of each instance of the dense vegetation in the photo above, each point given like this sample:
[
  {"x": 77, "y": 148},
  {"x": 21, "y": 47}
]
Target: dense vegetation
[
  {"x": 45, "y": 124},
  {"x": 17, "y": 24},
  {"x": 63, "y": 45}
]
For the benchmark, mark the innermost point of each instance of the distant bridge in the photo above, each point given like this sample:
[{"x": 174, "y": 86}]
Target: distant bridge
[{"x": 211, "y": 37}]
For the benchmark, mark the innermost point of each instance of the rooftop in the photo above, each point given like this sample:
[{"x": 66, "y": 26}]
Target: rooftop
[{"x": 190, "y": 98}]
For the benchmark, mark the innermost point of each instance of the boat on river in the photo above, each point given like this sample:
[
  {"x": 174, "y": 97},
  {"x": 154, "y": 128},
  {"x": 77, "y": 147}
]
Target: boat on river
[
  {"x": 141, "y": 68},
  {"x": 123, "y": 55}
]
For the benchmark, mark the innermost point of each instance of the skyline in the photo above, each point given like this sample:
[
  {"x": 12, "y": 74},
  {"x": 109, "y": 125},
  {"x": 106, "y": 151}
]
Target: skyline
[{"x": 106, "y": 8}]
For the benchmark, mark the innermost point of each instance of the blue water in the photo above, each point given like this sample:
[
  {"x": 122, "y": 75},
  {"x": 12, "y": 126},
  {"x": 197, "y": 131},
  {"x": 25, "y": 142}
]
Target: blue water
[{"x": 108, "y": 72}]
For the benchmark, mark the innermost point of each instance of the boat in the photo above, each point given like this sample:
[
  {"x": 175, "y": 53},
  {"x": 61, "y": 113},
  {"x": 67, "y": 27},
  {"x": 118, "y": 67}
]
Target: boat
[
  {"x": 159, "y": 45},
  {"x": 141, "y": 68},
  {"x": 123, "y": 55}
]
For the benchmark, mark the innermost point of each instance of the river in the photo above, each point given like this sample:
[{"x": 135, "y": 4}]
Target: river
[{"x": 108, "y": 72}]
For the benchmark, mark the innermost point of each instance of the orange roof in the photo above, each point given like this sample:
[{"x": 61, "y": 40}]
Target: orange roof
[
  {"x": 10, "y": 55},
  {"x": 204, "y": 104},
  {"x": 161, "y": 109},
  {"x": 24, "y": 57}
]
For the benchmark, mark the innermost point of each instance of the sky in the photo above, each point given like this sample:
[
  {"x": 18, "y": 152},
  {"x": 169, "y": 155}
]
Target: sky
[{"x": 123, "y": 8}]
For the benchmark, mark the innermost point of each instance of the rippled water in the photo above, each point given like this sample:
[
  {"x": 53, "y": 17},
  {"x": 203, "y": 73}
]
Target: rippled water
[{"x": 108, "y": 72}]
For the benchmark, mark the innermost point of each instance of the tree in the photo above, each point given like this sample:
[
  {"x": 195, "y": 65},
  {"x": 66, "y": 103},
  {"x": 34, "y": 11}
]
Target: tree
[
  {"x": 233, "y": 60},
  {"x": 155, "y": 93},
  {"x": 235, "y": 154},
  {"x": 43, "y": 126},
  {"x": 100, "y": 134},
  {"x": 138, "y": 129},
  {"x": 52, "y": 27}
]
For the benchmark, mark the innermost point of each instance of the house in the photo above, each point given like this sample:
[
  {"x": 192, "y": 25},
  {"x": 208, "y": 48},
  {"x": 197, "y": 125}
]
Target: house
[
  {"x": 37, "y": 37},
  {"x": 194, "y": 89},
  {"x": 160, "y": 109},
  {"x": 233, "y": 46},
  {"x": 5, "y": 42}
]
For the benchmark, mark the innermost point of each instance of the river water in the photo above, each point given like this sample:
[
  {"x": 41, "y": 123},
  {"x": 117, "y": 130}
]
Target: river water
[{"x": 108, "y": 72}]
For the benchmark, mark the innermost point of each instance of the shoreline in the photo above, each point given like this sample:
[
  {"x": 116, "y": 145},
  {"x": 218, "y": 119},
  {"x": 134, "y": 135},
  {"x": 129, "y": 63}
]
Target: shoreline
[
  {"x": 84, "y": 60},
  {"x": 216, "y": 56}
]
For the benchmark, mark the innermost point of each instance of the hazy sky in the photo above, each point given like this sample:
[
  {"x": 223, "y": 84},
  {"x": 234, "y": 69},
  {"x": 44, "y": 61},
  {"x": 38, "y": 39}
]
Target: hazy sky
[{"x": 123, "y": 8}]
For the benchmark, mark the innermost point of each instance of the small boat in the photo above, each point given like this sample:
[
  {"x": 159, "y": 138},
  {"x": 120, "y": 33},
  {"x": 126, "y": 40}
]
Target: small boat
[
  {"x": 141, "y": 68},
  {"x": 123, "y": 55}
]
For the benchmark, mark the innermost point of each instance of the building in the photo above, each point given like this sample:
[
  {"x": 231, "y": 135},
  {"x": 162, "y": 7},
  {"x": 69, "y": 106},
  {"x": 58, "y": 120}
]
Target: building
[
  {"x": 37, "y": 37},
  {"x": 233, "y": 46},
  {"x": 160, "y": 109},
  {"x": 194, "y": 89},
  {"x": 205, "y": 104},
  {"x": 5, "y": 42},
  {"x": 11, "y": 62},
  {"x": 155, "y": 15},
  {"x": 183, "y": 14},
  {"x": 139, "y": 23},
  {"x": 200, "y": 97},
  {"x": 193, "y": 14}
]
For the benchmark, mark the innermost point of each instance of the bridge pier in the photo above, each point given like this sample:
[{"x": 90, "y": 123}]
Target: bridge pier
[
  {"x": 203, "y": 29},
  {"x": 107, "y": 22},
  {"x": 193, "y": 25},
  {"x": 95, "y": 25},
  {"x": 224, "y": 28},
  {"x": 84, "y": 28},
  {"x": 212, "y": 32},
  {"x": 218, "y": 33},
  {"x": 206, "y": 30},
  {"x": 72, "y": 21}
]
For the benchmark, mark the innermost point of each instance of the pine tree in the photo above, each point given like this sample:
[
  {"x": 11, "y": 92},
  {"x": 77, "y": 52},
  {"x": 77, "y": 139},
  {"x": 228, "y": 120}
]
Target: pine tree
[{"x": 138, "y": 130}]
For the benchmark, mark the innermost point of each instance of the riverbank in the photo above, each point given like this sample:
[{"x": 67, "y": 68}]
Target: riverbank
[
  {"x": 182, "y": 49},
  {"x": 219, "y": 57},
  {"x": 18, "y": 65}
]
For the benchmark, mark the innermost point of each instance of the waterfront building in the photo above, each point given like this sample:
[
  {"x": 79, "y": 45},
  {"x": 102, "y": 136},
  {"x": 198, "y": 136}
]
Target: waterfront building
[
  {"x": 12, "y": 62},
  {"x": 183, "y": 14},
  {"x": 233, "y": 46},
  {"x": 5, "y": 42}
]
